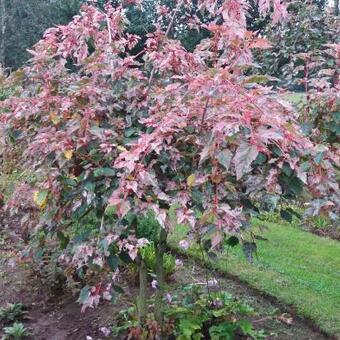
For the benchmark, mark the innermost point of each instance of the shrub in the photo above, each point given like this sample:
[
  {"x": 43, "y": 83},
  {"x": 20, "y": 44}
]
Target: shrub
[
  {"x": 320, "y": 222},
  {"x": 148, "y": 227},
  {"x": 306, "y": 30},
  {"x": 176, "y": 129}
]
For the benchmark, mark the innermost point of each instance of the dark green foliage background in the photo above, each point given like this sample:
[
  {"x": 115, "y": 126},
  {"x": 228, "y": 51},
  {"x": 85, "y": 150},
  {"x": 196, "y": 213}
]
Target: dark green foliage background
[{"x": 26, "y": 22}]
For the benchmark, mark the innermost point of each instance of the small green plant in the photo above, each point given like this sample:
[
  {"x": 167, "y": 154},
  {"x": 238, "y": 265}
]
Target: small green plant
[
  {"x": 194, "y": 314},
  {"x": 320, "y": 222},
  {"x": 272, "y": 217},
  {"x": 287, "y": 213},
  {"x": 148, "y": 227},
  {"x": 126, "y": 319},
  {"x": 12, "y": 312},
  {"x": 149, "y": 255},
  {"x": 17, "y": 331},
  {"x": 214, "y": 315}
]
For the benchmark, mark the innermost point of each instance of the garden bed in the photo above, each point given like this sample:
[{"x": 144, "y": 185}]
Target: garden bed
[
  {"x": 58, "y": 317},
  {"x": 332, "y": 232}
]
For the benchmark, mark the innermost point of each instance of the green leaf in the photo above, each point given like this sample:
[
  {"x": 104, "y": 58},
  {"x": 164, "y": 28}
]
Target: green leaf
[
  {"x": 247, "y": 203},
  {"x": 295, "y": 213},
  {"x": 232, "y": 241},
  {"x": 118, "y": 289},
  {"x": 106, "y": 172},
  {"x": 287, "y": 170},
  {"x": 258, "y": 79},
  {"x": 13, "y": 135},
  {"x": 260, "y": 238},
  {"x": 189, "y": 327},
  {"x": 246, "y": 327},
  {"x": 124, "y": 256},
  {"x": 224, "y": 158},
  {"x": 90, "y": 186},
  {"x": 207, "y": 217},
  {"x": 113, "y": 262},
  {"x": 261, "y": 159},
  {"x": 319, "y": 157},
  {"x": 131, "y": 132},
  {"x": 295, "y": 186},
  {"x": 223, "y": 331},
  {"x": 307, "y": 128},
  {"x": 206, "y": 244},
  {"x": 286, "y": 215},
  {"x": 276, "y": 151},
  {"x": 84, "y": 294},
  {"x": 64, "y": 240},
  {"x": 305, "y": 166},
  {"x": 69, "y": 181}
]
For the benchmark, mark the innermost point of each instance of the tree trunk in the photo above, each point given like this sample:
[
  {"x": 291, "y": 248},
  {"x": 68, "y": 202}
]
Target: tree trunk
[
  {"x": 336, "y": 7},
  {"x": 3, "y": 14},
  {"x": 142, "y": 298},
  {"x": 160, "y": 250}
]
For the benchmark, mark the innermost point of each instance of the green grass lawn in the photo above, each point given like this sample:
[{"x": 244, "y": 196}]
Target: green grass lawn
[{"x": 296, "y": 267}]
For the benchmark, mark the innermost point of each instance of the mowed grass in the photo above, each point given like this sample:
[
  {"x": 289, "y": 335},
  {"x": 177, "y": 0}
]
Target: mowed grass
[{"x": 296, "y": 267}]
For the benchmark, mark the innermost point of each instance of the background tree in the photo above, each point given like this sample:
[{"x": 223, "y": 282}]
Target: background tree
[
  {"x": 23, "y": 24},
  {"x": 308, "y": 28},
  {"x": 26, "y": 22},
  {"x": 3, "y": 19}
]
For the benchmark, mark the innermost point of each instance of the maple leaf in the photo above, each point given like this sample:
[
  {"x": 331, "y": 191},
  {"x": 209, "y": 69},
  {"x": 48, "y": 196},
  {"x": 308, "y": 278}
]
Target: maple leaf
[
  {"x": 245, "y": 155},
  {"x": 224, "y": 157}
]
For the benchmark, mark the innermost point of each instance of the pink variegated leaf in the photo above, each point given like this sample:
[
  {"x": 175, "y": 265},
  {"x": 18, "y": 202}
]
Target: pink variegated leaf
[{"x": 245, "y": 155}]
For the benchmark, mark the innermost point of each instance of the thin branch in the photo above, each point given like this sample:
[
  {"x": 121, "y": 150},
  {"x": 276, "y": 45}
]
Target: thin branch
[
  {"x": 204, "y": 113},
  {"x": 110, "y": 36},
  {"x": 167, "y": 32}
]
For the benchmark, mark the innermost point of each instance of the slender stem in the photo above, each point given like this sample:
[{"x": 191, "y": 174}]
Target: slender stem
[
  {"x": 102, "y": 224},
  {"x": 306, "y": 86},
  {"x": 173, "y": 18},
  {"x": 204, "y": 113},
  {"x": 167, "y": 32},
  {"x": 110, "y": 37},
  {"x": 205, "y": 270},
  {"x": 142, "y": 298},
  {"x": 160, "y": 250}
]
